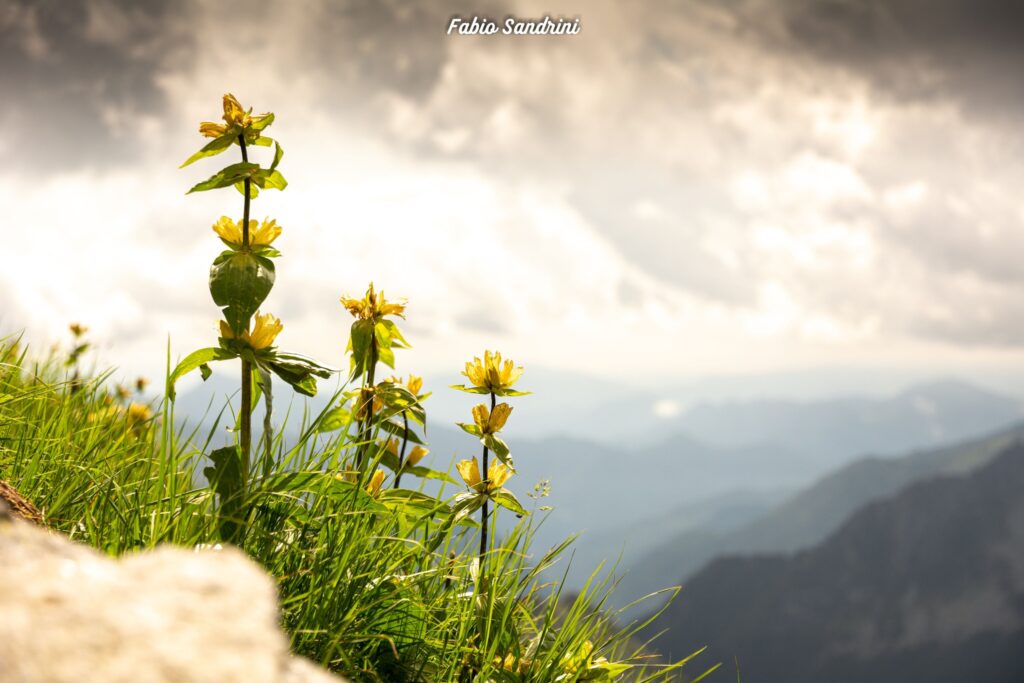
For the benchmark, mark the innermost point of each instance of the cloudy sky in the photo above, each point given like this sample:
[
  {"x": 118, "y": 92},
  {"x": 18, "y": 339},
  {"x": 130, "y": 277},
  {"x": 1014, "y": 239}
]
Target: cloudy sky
[{"x": 689, "y": 187}]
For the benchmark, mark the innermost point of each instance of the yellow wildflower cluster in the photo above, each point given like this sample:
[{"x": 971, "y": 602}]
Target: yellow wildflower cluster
[{"x": 373, "y": 306}]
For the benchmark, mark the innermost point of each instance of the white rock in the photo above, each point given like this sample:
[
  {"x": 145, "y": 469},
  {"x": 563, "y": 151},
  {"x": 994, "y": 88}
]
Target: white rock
[{"x": 71, "y": 615}]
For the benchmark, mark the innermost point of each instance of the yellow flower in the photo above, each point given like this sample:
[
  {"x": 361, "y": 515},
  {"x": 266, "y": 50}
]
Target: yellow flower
[
  {"x": 263, "y": 333},
  {"x": 491, "y": 422},
  {"x": 415, "y": 455},
  {"x": 469, "y": 470},
  {"x": 491, "y": 373},
  {"x": 138, "y": 412},
  {"x": 78, "y": 329},
  {"x": 572, "y": 663},
  {"x": 373, "y": 488},
  {"x": 347, "y": 476},
  {"x": 512, "y": 664},
  {"x": 414, "y": 385},
  {"x": 260, "y": 235},
  {"x": 497, "y": 475},
  {"x": 140, "y": 384},
  {"x": 104, "y": 413},
  {"x": 391, "y": 446},
  {"x": 373, "y": 306},
  {"x": 362, "y": 399},
  {"x": 234, "y": 115},
  {"x": 209, "y": 129}
]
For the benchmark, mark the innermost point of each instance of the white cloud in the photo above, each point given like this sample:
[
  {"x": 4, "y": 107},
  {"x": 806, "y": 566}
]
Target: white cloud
[{"x": 679, "y": 198}]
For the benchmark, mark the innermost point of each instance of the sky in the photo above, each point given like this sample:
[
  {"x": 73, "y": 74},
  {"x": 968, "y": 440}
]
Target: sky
[{"x": 684, "y": 188}]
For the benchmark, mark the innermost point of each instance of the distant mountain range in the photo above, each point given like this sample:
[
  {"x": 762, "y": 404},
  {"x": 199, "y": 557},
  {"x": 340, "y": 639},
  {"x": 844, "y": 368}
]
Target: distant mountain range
[
  {"x": 927, "y": 585},
  {"x": 808, "y": 516}
]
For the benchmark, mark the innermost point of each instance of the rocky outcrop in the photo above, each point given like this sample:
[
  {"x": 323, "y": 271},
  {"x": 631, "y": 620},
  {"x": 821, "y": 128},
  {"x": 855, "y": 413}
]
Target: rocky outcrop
[
  {"x": 71, "y": 615},
  {"x": 12, "y": 502}
]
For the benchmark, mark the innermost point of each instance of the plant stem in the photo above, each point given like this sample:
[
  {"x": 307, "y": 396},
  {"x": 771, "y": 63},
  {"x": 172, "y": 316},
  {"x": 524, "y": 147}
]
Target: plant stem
[
  {"x": 268, "y": 427},
  {"x": 245, "y": 437},
  {"x": 401, "y": 453},
  {"x": 483, "y": 508},
  {"x": 368, "y": 396}
]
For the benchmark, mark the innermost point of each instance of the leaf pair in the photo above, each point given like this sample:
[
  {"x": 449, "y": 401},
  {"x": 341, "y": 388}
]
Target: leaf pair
[{"x": 240, "y": 282}]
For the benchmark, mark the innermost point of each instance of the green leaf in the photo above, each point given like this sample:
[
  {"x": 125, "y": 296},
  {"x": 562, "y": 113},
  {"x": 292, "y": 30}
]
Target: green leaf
[
  {"x": 465, "y": 504},
  {"x": 239, "y": 284},
  {"x": 394, "y": 333},
  {"x": 270, "y": 179},
  {"x": 336, "y": 418},
  {"x": 508, "y": 500},
  {"x": 227, "y": 176},
  {"x": 413, "y": 501},
  {"x": 212, "y": 148},
  {"x": 261, "y": 124},
  {"x": 386, "y": 355},
  {"x": 254, "y": 190},
  {"x": 263, "y": 141},
  {"x": 400, "y": 400},
  {"x": 360, "y": 336},
  {"x": 196, "y": 359},
  {"x": 278, "y": 155},
  {"x": 298, "y": 371},
  {"x": 497, "y": 446},
  {"x": 228, "y": 481},
  {"x": 427, "y": 473},
  {"x": 470, "y": 429},
  {"x": 511, "y": 392},
  {"x": 469, "y": 390}
]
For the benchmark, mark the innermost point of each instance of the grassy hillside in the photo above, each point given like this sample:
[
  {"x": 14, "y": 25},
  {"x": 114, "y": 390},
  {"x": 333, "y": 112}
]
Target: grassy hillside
[{"x": 379, "y": 584}]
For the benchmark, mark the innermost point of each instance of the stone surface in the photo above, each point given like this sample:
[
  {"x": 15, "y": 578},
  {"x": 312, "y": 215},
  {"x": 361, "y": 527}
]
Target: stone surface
[
  {"x": 12, "y": 502},
  {"x": 71, "y": 615}
]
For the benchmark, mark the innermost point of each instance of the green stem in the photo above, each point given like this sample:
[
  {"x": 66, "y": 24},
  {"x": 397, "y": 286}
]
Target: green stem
[
  {"x": 401, "y": 453},
  {"x": 483, "y": 508},
  {"x": 268, "y": 427},
  {"x": 368, "y": 397},
  {"x": 245, "y": 436}
]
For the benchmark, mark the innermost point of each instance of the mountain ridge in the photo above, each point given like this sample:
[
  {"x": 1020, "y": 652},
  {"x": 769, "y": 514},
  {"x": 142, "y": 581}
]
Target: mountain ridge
[{"x": 912, "y": 587}]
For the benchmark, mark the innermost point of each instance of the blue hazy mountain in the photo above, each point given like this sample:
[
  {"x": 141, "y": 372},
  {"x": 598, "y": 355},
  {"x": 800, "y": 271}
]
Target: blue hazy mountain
[
  {"x": 927, "y": 585},
  {"x": 808, "y": 516}
]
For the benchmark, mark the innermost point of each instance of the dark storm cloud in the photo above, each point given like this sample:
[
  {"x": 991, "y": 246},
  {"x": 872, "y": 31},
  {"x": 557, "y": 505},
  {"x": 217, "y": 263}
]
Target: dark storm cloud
[
  {"x": 389, "y": 44},
  {"x": 71, "y": 69},
  {"x": 970, "y": 50}
]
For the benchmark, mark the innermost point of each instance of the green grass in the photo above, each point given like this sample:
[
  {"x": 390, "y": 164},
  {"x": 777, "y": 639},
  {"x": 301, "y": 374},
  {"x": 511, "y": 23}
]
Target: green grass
[{"x": 379, "y": 589}]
